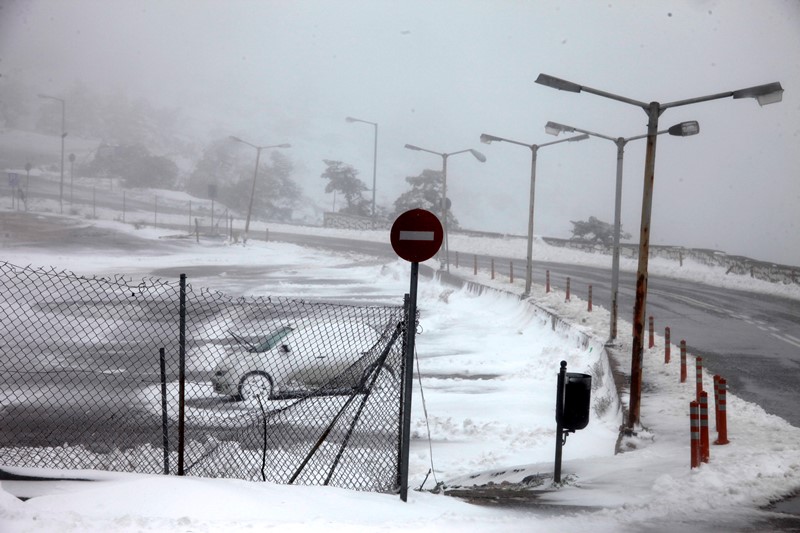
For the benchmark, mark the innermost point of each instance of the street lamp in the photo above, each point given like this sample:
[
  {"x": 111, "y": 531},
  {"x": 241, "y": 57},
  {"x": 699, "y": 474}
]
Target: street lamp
[
  {"x": 374, "y": 161},
  {"x": 255, "y": 175},
  {"x": 71, "y": 175},
  {"x": 488, "y": 139},
  {"x": 63, "y": 135},
  {"x": 765, "y": 94},
  {"x": 444, "y": 207},
  {"x": 684, "y": 129}
]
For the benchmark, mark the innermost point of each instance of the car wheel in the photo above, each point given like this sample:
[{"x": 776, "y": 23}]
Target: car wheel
[{"x": 255, "y": 384}]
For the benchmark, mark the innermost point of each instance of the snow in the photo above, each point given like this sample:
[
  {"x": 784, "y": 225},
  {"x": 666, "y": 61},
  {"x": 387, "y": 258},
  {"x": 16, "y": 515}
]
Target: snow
[{"x": 487, "y": 364}]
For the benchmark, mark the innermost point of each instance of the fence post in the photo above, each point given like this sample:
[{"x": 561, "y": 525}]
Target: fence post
[
  {"x": 652, "y": 341},
  {"x": 474, "y": 264},
  {"x": 567, "y": 299},
  {"x": 704, "y": 449},
  {"x": 511, "y": 272},
  {"x": 683, "y": 361},
  {"x": 667, "y": 348},
  {"x": 722, "y": 428},
  {"x": 164, "y": 417},
  {"x": 181, "y": 373},
  {"x": 694, "y": 433},
  {"x": 590, "y": 299},
  {"x": 492, "y": 267},
  {"x": 548, "y": 282}
]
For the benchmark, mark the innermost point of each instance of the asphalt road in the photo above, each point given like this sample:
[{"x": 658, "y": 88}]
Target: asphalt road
[{"x": 750, "y": 339}]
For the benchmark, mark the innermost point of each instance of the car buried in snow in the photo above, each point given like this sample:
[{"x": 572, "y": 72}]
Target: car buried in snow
[{"x": 315, "y": 358}]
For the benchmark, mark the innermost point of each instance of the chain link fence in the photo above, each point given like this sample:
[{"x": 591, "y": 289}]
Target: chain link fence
[{"x": 161, "y": 377}]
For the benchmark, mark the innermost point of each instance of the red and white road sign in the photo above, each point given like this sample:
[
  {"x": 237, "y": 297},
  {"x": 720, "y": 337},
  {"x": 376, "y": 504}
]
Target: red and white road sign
[{"x": 416, "y": 235}]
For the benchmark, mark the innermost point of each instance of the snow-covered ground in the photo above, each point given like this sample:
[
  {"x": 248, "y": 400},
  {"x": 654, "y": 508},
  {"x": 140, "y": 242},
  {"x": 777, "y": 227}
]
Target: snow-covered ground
[{"x": 488, "y": 365}]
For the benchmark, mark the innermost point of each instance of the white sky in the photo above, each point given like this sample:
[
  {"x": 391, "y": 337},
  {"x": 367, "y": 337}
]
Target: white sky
[
  {"x": 500, "y": 428},
  {"x": 438, "y": 74}
]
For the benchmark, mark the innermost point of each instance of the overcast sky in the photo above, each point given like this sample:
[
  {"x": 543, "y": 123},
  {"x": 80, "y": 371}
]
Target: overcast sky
[{"x": 437, "y": 74}]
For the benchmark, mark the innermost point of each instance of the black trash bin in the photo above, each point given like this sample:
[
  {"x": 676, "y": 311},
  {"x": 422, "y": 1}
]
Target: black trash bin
[{"x": 577, "y": 398}]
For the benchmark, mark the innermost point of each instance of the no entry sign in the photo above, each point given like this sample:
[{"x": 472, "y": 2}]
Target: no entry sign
[{"x": 416, "y": 235}]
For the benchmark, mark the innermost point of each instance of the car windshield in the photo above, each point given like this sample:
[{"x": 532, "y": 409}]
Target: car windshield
[{"x": 272, "y": 340}]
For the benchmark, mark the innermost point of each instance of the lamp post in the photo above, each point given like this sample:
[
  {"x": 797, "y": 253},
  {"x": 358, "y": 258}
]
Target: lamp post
[
  {"x": 63, "y": 135},
  {"x": 71, "y": 175},
  {"x": 765, "y": 94},
  {"x": 488, "y": 139},
  {"x": 444, "y": 207},
  {"x": 684, "y": 129},
  {"x": 374, "y": 161},
  {"x": 255, "y": 175}
]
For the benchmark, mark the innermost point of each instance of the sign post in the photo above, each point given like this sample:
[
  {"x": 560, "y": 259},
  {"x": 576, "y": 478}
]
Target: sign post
[{"x": 416, "y": 236}]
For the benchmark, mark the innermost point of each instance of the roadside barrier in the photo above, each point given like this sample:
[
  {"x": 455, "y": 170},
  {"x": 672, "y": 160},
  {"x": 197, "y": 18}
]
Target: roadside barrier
[
  {"x": 699, "y": 376},
  {"x": 589, "y": 307},
  {"x": 567, "y": 299},
  {"x": 492, "y": 267},
  {"x": 694, "y": 433},
  {"x": 652, "y": 341},
  {"x": 704, "y": 448},
  {"x": 666, "y": 346},
  {"x": 548, "y": 282},
  {"x": 683, "y": 361},
  {"x": 722, "y": 410},
  {"x": 511, "y": 272},
  {"x": 475, "y": 265}
]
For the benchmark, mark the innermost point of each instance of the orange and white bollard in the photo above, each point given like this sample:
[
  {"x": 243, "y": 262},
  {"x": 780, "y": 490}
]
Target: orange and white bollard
[
  {"x": 589, "y": 308},
  {"x": 511, "y": 272},
  {"x": 474, "y": 265},
  {"x": 548, "y": 281},
  {"x": 666, "y": 346},
  {"x": 698, "y": 367},
  {"x": 716, "y": 401},
  {"x": 652, "y": 341},
  {"x": 492, "y": 267},
  {"x": 567, "y": 299},
  {"x": 722, "y": 428},
  {"x": 704, "y": 448},
  {"x": 694, "y": 433},
  {"x": 683, "y": 361}
]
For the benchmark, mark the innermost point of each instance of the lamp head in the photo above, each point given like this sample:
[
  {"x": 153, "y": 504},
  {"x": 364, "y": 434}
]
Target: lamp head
[
  {"x": 685, "y": 129},
  {"x": 351, "y": 119},
  {"x": 487, "y": 139},
  {"x": 579, "y": 138},
  {"x": 412, "y": 147},
  {"x": 479, "y": 156},
  {"x": 554, "y": 128},
  {"x": 285, "y": 145},
  {"x": 558, "y": 83},
  {"x": 235, "y": 138},
  {"x": 771, "y": 93}
]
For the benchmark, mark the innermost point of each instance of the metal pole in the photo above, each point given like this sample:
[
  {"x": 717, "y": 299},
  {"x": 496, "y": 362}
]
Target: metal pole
[
  {"x": 374, "y": 173},
  {"x": 181, "y": 373},
  {"x": 653, "y": 112},
  {"x": 408, "y": 376},
  {"x": 620, "y": 142},
  {"x": 63, "y": 136},
  {"x": 529, "y": 258},
  {"x": 444, "y": 212},
  {"x": 164, "y": 418},
  {"x": 559, "y": 423},
  {"x": 252, "y": 194}
]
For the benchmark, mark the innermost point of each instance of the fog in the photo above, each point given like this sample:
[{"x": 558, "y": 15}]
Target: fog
[{"x": 438, "y": 74}]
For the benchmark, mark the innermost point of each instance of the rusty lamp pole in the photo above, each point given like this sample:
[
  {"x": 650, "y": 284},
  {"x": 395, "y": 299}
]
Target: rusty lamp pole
[
  {"x": 765, "y": 94},
  {"x": 445, "y": 208},
  {"x": 255, "y": 175},
  {"x": 684, "y": 129},
  {"x": 534, "y": 148}
]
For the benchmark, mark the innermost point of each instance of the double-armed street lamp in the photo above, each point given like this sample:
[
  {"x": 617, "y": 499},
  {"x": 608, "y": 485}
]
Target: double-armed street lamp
[
  {"x": 765, "y": 94},
  {"x": 374, "y": 161},
  {"x": 684, "y": 129},
  {"x": 444, "y": 207},
  {"x": 63, "y": 135},
  {"x": 534, "y": 148},
  {"x": 255, "y": 175}
]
